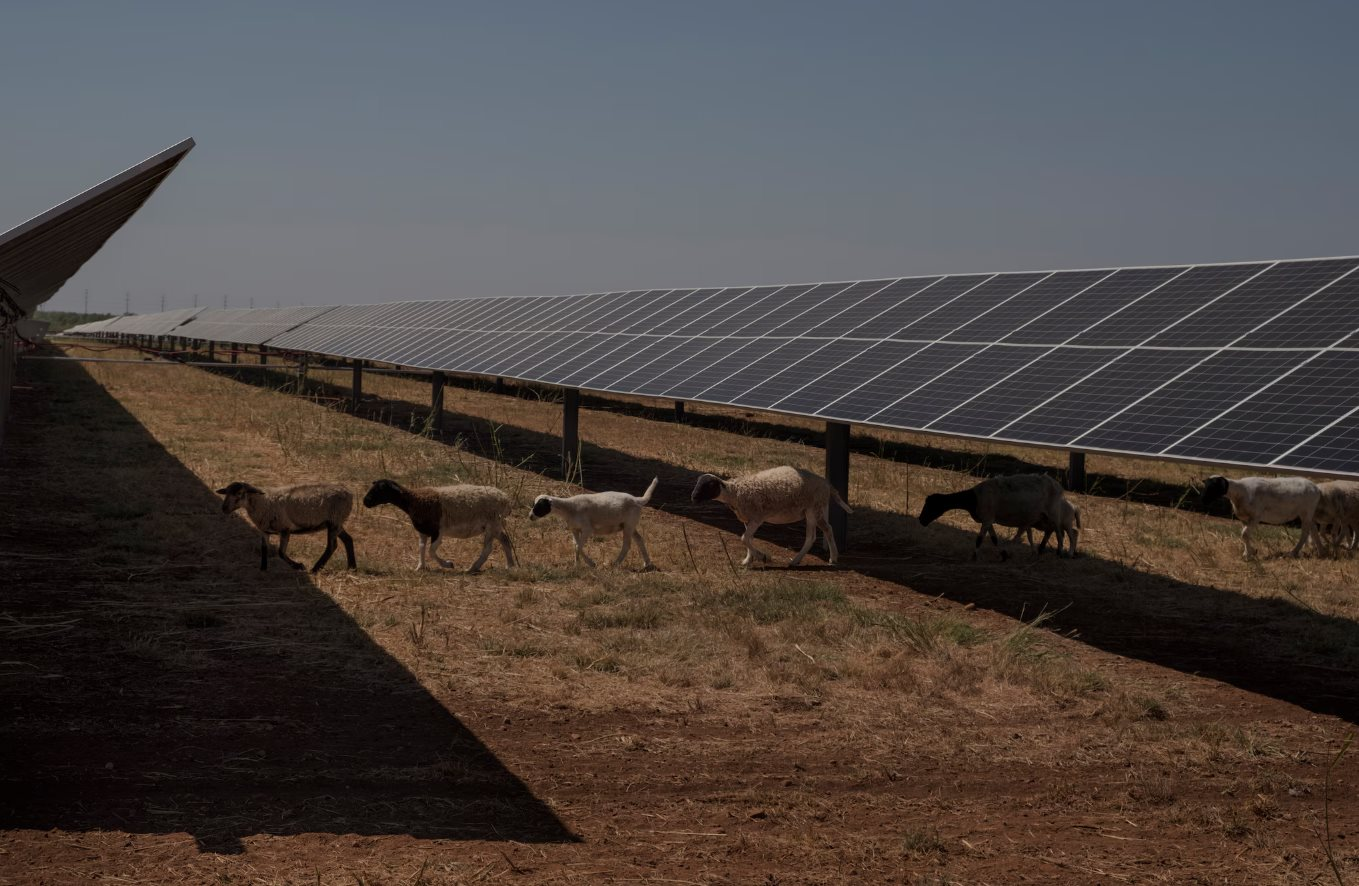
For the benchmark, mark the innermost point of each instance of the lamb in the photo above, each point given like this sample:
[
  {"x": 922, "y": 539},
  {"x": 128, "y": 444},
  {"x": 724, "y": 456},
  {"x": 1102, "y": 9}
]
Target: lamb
[
  {"x": 599, "y": 513},
  {"x": 1339, "y": 509},
  {"x": 778, "y": 495},
  {"x": 1019, "y": 500},
  {"x": 1271, "y": 500},
  {"x": 456, "y": 511},
  {"x": 1070, "y": 527},
  {"x": 290, "y": 510}
]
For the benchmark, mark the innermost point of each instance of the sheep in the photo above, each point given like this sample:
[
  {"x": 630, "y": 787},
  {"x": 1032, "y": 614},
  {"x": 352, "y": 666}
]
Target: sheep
[
  {"x": 456, "y": 511},
  {"x": 1339, "y": 509},
  {"x": 777, "y": 495},
  {"x": 1271, "y": 500},
  {"x": 599, "y": 513},
  {"x": 1071, "y": 527},
  {"x": 1019, "y": 500},
  {"x": 294, "y": 510}
]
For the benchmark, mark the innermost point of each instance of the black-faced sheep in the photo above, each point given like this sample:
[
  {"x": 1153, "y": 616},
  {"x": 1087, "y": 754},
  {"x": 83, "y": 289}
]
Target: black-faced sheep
[
  {"x": 777, "y": 495},
  {"x": 294, "y": 510},
  {"x": 1271, "y": 500},
  {"x": 596, "y": 514},
  {"x": 1019, "y": 500},
  {"x": 455, "y": 511}
]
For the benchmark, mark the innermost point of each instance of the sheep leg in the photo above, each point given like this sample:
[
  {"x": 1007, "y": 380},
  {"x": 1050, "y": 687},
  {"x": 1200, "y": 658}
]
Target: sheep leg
[
  {"x": 627, "y": 546},
  {"x": 434, "y": 552},
  {"x": 810, "y": 540},
  {"x": 485, "y": 552},
  {"x": 508, "y": 547},
  {"x": 647, "y": 566},
  {"x": 424, "y": 540},
  {"x": 331, "y": 538},
  {"x": 579, "y": 537},
  {"x": 748, "y": 539},
  {"x": 1248, "y": 553},
  {"x": 283, "y": 551},
  {"x": 823, "y": 524},
  {"x": 264, "y": 552},
  {"x": 995, "y": 540},
  {"x": 349, "y": 549}
]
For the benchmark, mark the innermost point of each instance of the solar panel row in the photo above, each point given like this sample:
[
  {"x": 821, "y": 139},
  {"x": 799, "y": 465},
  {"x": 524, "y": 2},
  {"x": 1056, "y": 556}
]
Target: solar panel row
[{"x": 1252, "y": 363}]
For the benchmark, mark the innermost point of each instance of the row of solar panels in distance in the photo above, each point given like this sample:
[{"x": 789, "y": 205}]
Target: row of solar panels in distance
[{"x": 1126, "y": 360}]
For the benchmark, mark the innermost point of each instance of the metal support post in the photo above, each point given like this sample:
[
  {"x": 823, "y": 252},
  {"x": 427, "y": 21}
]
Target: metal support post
[
  {"x": 356, "y": 387},
  {"x": 1075, "y": 472},
  {"x": 570, "y": 433},
  {"x": 499, "y": 385},
  {"x": 837, "y": 474},
  {"x": 679, "y": 410},
  {"x": 436, "y": 401},
  {"x": 264, "y": 356}
]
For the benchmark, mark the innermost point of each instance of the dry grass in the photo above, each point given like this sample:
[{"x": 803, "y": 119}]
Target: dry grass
[{"x": 820, "y": 725}]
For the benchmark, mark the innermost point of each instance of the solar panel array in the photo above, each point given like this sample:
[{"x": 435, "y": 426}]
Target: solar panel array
[
  {"x": 1253, "y": 363},
  {"x": 41, "y": 254}
]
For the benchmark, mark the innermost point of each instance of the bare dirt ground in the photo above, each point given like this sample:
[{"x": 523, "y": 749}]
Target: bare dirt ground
[{"x": 1156, "y": 711}]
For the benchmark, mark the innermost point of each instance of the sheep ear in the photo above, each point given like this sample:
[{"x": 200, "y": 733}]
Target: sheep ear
[{"x": 224, "y": 490}]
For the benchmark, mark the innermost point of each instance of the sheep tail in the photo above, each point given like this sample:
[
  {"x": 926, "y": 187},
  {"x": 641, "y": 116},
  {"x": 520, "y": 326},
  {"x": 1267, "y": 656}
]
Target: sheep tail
[
  {"x": 1078, "y": 518},
  {"x": 840, "y": 501},
  {"x": 646, "y": 496}
]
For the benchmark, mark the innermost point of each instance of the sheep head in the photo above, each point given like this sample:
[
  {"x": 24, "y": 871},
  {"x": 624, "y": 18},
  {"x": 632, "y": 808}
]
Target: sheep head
[
  {"x": 1214, "y": 487},
  {"x": 235, "y": 495},
  {"x": 383, "y": 492},
  {"x": 542, "y": 506},
  {"x": 708, "y": 487},
  {"x": 936, "y": 505}
]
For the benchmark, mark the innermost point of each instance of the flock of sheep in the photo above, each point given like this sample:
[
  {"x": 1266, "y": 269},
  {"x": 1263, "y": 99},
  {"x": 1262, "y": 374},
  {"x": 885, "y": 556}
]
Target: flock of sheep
[{"x": 779, "y": 495}]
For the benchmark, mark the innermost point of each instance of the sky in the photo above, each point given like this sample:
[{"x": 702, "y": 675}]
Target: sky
[{"x": 365, "y": 152}]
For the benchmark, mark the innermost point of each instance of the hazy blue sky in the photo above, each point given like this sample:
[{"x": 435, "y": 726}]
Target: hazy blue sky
[{"x": 358, "y": 152}]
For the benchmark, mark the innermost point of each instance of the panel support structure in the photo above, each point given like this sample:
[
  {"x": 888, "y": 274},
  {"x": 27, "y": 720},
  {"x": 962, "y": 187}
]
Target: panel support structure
[
  {"x": 264, "y": 356},
  {"x": 436, "y": 401},
  {"x": 837, "y": 473},
  {"x": 356, "y": 387},
  {"x": 679, "y": 411},
  {"x": 211, "y": 352},
  {"x": 570, "y": 433},
  {"x": 499, "y": 385},
  {"x": 1075, "y": 472}
]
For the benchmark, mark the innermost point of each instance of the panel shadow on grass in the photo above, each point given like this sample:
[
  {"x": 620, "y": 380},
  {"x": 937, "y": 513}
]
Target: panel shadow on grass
[
  {"x": 156, "y": 682},
  {"x": 1270, "y": 645}
]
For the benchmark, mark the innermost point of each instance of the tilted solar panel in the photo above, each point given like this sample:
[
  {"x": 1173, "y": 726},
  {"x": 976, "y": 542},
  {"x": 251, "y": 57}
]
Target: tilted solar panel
[{"x": 1253, "y": 363}]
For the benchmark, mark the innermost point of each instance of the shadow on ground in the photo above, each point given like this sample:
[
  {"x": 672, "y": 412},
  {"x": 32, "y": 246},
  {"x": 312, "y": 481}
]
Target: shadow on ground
[
  {"x": 1272, "y": 646},
  {"x": 156, "y": 682}
]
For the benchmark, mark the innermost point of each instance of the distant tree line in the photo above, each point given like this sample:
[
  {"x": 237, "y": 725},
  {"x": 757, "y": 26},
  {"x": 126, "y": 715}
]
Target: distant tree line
[{"x": 62, "y": 320}]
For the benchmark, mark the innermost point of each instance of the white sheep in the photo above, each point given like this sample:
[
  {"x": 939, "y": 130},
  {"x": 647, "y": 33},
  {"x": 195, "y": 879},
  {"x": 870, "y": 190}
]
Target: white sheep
[
  {"x": 1069, "y": 527},
  {"x": 597, "y": 514},
  {"x": 456, "y": 511},
  {"x": 294, "y": 510},
  {"x": 1271, "y": 500},
  {"x": 1019, "y": 500},
  {"x": 778, "y": 495},
  {"x": 1339, "y": 510}
]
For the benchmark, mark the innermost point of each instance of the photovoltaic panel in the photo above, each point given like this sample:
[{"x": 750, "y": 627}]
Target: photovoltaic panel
[
  {"x": 1252, "y": 303},
  {"x": 1281, "y": 415},
  {"x": 917, "y": 306},
  {"x": 919, "y": 368},
  {"x": 925, "y": 404},
  {"x": 1105, "y": 299},
  {"x": 992, "y": 407},
  {"x": 733, "y": 387},
  {"x": 1330, "y": 450},
  {"x": 1186, "y": 402},
  {"x": 827, "y": 357},
  {"x": 1046, "y": 295},
  {"x": 849, "y": 376},
  {"x": 1245, "y": 363},
  {"x": 1097, "y": 397},
  {"x": 1168, "y": 304},
  {"x": 969, "y": 306}
]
